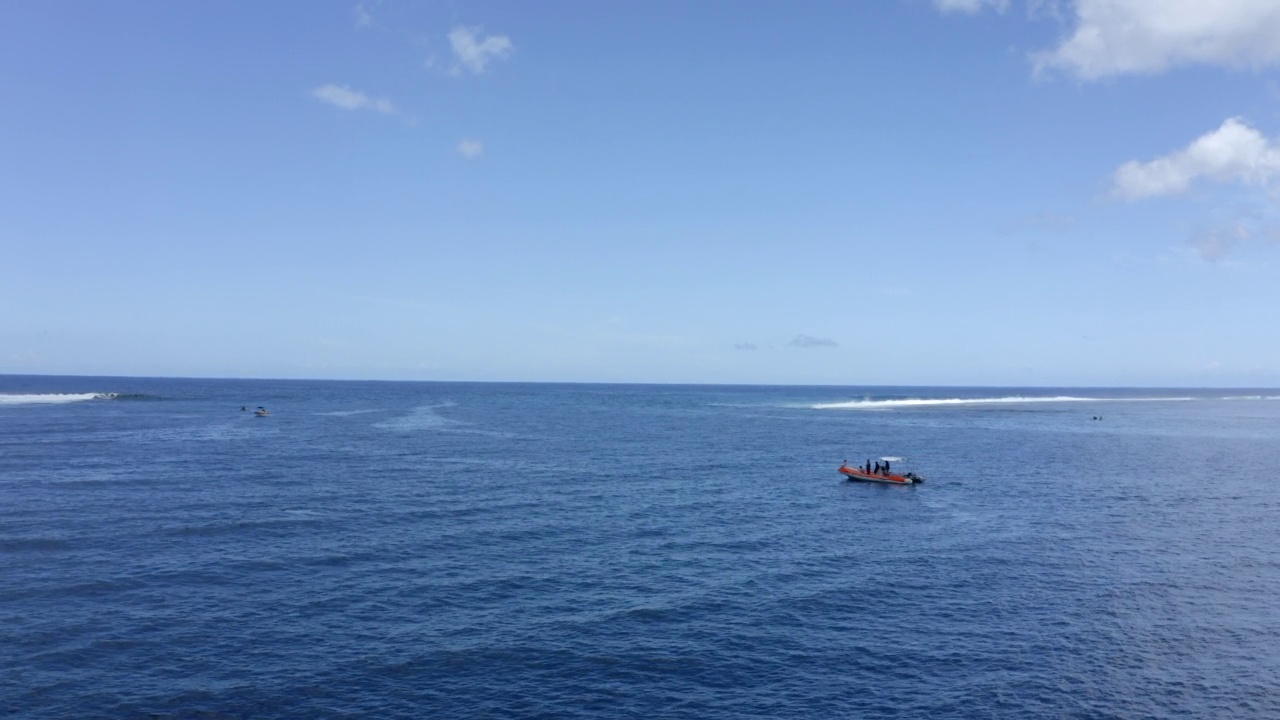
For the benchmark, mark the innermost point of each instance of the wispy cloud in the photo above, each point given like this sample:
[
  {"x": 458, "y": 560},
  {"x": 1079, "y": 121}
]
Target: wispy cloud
[
  {"x": 745, "y": 346},
  {"x": 473, "y": 52},
  {"x": 341, "y": 96},
  {"x": 364, "y": 18},
  {"x": 1241, "y": 226},
  {"x": 808, "y": 341},
  {"x": 1234, "y": 153},
  {"x": 1214, "y": 244},
  {"x": 970, "y": 6},
  {"x": 1046, "y": 222},
  {"x": 471, "y": 149}
]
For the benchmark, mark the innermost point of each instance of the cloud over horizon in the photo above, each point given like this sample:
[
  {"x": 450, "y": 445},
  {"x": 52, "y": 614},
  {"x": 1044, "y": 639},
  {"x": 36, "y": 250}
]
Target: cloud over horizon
[
  {"x": 474, "y": 53},
  {"x": 341, "y": 96},
  {"x": 808, "y": 341}
]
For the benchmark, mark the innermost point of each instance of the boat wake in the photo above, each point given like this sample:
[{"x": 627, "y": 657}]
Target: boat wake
[{"x": 867, "y": 404}]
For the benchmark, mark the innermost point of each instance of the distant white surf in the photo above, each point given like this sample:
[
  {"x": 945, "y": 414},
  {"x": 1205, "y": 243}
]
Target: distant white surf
[
  {"x": 1017, "y": 399},
  {"x": 51, "y": 398}
]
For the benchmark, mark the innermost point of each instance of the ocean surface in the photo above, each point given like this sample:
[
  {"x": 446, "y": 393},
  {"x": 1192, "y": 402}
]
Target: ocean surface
[{"x": 419, "y": 550}]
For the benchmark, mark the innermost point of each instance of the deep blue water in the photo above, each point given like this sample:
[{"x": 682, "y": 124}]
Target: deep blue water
[{"x": 412, "y": 550}]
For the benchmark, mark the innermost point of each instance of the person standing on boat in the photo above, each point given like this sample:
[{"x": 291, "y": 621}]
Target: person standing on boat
[
  {"x": 868, "y": 466},
  {"x": 886, "y": 467}
]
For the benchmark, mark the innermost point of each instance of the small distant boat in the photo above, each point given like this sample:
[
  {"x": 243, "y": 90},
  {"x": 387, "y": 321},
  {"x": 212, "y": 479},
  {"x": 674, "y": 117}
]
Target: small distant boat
[
  {"x": 261, "y": 412},
  {"x": 882, "y": 475}
]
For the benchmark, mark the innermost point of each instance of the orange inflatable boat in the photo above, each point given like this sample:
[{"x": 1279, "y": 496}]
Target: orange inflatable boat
[{"x": 880, "y": 472}]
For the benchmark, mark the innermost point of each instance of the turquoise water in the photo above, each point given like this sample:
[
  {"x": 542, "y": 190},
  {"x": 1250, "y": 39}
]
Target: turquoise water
[{"x": 505, "y": 550}]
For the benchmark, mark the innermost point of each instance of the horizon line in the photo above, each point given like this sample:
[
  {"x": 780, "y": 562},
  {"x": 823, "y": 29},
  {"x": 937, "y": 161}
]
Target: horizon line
[{"x": 641, "y": 383}]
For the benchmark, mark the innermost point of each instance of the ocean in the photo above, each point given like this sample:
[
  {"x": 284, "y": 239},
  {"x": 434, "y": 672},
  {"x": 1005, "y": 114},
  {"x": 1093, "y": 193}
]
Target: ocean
[{"x": 421, "y": 550}]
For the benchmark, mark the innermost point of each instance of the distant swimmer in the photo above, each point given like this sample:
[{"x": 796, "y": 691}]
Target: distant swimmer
[{"x": 243, "y": 408}]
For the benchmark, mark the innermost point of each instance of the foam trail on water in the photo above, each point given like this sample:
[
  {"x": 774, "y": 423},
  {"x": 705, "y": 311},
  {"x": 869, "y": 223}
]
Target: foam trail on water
[
  {"x": 51, "y": 398},
  {"x": 924, "y": 402}
]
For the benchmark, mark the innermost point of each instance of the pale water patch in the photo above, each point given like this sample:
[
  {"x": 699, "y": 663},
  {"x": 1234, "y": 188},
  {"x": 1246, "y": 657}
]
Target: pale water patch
[
  {"x": 426, "y": 417},
  {"x": 220, "y": 432},
  {"x": 423, "y": 417}
]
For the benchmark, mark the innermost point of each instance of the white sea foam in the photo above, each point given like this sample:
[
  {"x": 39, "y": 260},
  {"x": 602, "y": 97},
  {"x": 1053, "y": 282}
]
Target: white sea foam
[
  {"x": 423, "y": 417},
  {"x": 51, "y": 398},
  {"x": 1017, "y": 399}
]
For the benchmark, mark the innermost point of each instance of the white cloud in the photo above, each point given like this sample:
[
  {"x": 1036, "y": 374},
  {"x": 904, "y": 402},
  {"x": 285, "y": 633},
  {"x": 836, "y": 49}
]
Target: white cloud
[
  {"x": 473, "y": 52},
  {"x": 470, "y": 148},
  {"x": 348, "y": 99},
  {"x": 1234, "y": 153},
  {"x": 1116, "y": 37},
  {"x": 970, "y": 6}
]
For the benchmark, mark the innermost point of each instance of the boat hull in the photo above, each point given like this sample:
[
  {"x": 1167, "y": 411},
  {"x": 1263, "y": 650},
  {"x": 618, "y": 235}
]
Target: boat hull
[{"x": 862, "y": 475}]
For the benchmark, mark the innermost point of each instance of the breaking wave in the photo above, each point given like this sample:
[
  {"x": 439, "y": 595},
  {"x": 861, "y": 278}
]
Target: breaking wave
[
  {"x": 63, "y": 398},
  {"x": 867, "y": 404},
  {"x": 52, "y": 398}
]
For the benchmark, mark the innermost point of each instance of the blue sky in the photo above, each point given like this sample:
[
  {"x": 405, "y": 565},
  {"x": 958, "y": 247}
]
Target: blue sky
[{"x": 912, "y": 192}]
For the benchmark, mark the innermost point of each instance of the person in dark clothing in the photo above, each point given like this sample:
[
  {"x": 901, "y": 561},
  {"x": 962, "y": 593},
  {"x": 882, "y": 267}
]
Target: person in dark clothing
[
  {"x": 877, "y": 467},
  {"x": 886, "y": 467},
  {"x": 868, "y": 466}
]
